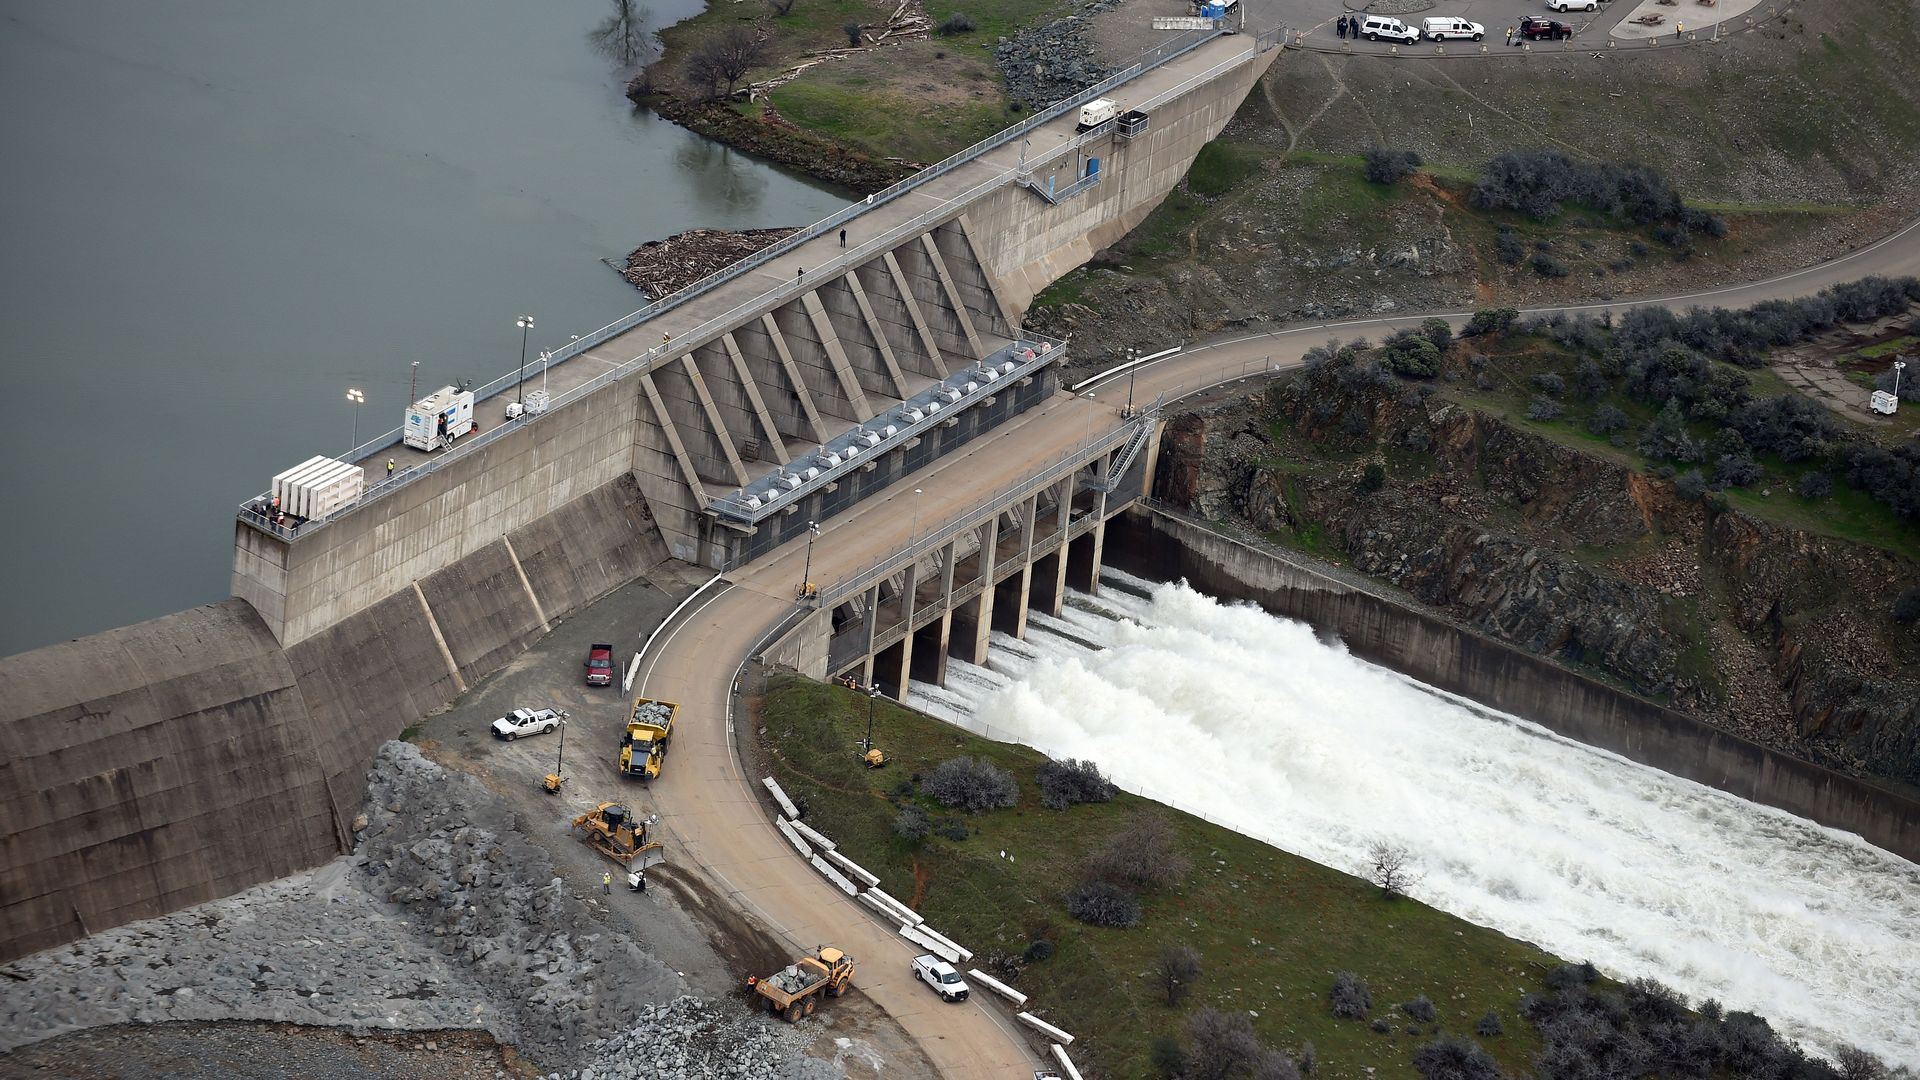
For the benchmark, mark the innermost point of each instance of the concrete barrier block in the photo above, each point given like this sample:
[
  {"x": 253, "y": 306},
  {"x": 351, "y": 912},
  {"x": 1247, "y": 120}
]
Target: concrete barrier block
[
  {"x": 937, "y": 947},
  {"x": 997, "y": 986},
  {"x": 780, "y": 797},
  {"x": 1060, "y": 1055},
  {"x": 879, "y": 908},
  {"x": 1046, "y": 1029},
  {"x": 786, "y": 830},
  {"x": 834, "y": 876},
  {"x": 814, "y": 837},
  {"x": 854, "y": 870},
  {"x": 901, "y": 912},
  {"x": 947, "y": 941}
]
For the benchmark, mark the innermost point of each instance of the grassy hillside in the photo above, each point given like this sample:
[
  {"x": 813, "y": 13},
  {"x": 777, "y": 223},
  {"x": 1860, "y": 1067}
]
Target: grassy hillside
[{"x": 1272, "y": 929}]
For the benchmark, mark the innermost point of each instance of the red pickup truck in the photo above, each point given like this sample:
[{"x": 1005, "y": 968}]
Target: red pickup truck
[{"x": 599, "y": 664}]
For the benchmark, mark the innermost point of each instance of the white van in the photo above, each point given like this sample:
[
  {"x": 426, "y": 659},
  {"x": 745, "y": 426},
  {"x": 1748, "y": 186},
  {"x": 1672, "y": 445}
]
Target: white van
[
  {"x": 1447, "y": 26},
  {"x": 1376, "y": 27}
]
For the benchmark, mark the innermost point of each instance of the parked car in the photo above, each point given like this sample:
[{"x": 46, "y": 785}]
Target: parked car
[
  {"x": 1571, "y": 5},
  {"x": 1533, "y": 28},
  {"x": 940, "y": 975},
  {"x": 528, "y": 722},
  {"x": 1377, "y": 27},
  {"x": 1448, "y": 26},
  {"x": 599, "y": 664}
]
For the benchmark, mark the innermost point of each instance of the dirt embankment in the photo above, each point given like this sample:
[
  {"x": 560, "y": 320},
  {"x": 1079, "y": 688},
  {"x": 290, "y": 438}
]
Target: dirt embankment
[
  {"x": 767, "y": 136},
  {"x": 1768, "y": 632}
]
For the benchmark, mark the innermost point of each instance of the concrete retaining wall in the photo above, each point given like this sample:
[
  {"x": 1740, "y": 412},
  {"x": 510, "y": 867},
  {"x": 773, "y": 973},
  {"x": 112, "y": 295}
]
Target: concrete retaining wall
[
  {"x": 1440, "y": 654},
  {"x": 186, "y": 758}
]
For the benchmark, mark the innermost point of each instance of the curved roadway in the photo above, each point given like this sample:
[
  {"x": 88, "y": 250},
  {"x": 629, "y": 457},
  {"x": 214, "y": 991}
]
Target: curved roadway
[{"x": 712, "y": 812}]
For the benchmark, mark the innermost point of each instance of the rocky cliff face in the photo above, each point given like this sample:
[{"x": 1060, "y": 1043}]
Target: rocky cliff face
[{"x": 1771, "y": 633}]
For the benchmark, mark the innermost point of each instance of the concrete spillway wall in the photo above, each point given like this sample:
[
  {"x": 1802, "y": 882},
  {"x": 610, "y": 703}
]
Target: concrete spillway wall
[
  {"x": 188, "y": 757},
  {"x": 1443, "y": 655}
]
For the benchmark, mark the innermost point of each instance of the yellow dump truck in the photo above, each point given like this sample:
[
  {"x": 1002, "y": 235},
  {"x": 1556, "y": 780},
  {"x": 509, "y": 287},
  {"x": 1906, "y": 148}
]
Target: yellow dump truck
[
  {"x": 794, "y": 990},
  {"x": 643, "y": 749}
]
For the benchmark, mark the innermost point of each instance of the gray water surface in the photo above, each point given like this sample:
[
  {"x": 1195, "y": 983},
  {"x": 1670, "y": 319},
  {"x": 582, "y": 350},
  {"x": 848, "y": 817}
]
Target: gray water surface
[{"x": 217, "y": 216}]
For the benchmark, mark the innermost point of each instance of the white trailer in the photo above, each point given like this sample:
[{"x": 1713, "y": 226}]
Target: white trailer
[
  {"x": 438, "y": 419},
  {"x": 317, "y": 487}
]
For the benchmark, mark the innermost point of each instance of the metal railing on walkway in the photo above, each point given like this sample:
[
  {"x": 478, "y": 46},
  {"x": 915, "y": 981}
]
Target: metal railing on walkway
[{"x": 1063, "y": 465}]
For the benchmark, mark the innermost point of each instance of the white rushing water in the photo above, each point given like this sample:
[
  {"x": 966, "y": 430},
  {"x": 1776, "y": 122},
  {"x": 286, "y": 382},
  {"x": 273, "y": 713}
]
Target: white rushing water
[{"x": 1291, "y": 740}]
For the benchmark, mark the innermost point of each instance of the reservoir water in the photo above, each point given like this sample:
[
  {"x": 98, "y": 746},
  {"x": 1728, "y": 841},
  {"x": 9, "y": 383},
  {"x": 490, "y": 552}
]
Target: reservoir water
[
  {"x": 1288, "y": 739},
  {"x": 219, "y": 215}
]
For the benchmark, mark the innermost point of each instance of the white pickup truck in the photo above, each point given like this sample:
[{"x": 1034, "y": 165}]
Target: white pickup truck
[
  {"x": 940, "y": 975},
  {"x": 527, "y": 722}
]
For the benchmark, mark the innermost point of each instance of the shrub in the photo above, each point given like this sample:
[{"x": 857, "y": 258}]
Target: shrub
[
  {"x": 1037, "y": 950},
  {"x": 1223, "y": 1044},
  {"x": 958, "y": 23},
  {"x": 1888, "y": 476},
  {"x": 1438, "y": 332},
  {"x": 1384, "y": 166},
  {"x": 1381, "y": 1026},
  {"x": 1420, "y": 1008},
  {"x": 1690, "y": 485},
  {"x": 1547, "y": 266},
  {"x": 1549, "y": 383},
  {"x": 1539, "y": 182},
  {"x": 1413, "y": 353},
  {"x": 1906, "y": 607},
  {"x": 1667, "y": 437},
  {"x": 972, "y": 784},
  {"x": 1354, "y": 424},
  {"x": 911, "y": 824},
  {"x": 1102, "y": 903},
  {"x": 1349, "y": 998},
  {"x": 1857, "y": 1064},
  {"x": 1606, "y": 420},
  {"x": 1567, "y": 975},
  {"x": 1373, "y": 477},
  {"x": 1308, "y": 1058},
  {"x": 1491, "y": 321},
  {"x": 1176, "y": 972},
  {"x": 1789, "y": 425},
  {"x": 951, "y": 829},
  {"x": 1273, "y": 1065},
  {"x": 1543, "y": 408},
  {"x": 1510, "y": 247},
  {"x": 1736, "y": 470},
  {"x": 1449, "y": 1058},
  {"x": 1068, "y": 783},
  {"x": 1168, "y": 1057},
  {"x": 1489, "y": 1025},
  {"x": 1141, "y": 854},
  {"x": 1814, "y": 485}
]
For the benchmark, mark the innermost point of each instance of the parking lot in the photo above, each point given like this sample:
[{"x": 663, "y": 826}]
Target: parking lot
[{"x": 1316, "y": 21}]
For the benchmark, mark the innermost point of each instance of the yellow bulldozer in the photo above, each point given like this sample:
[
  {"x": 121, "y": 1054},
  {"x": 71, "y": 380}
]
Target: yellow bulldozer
[
  {"x": 643, "y": 749},
  {"x": 794, "y": 990},
  {"x": 614, "y": 831}
]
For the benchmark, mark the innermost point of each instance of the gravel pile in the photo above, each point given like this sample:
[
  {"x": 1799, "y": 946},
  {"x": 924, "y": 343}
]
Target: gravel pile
[
  {"x": 690, "y": 1039},
  {"x": 445, "y": 917},
  {"x": 1043, "y": 64},
  {"x": 445, "y": 850}
]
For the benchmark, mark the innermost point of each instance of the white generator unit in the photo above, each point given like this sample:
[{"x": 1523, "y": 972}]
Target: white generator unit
[
  {"x": 438, "y": 419},
  {"x": 1097, "y": 112},
  {"x": 317, "y": 487},
  {"x": 1883, "y": 403}
]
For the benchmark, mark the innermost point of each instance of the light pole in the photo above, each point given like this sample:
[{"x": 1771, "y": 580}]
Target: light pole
[
  {"x": 546, "y": 361},
  {"x": 1130, "y": 369},
  {"x": 358, "y": 400},
  {"x": 1089, "y": 429},
  {"x": 1898, "y": 367},
  {"x": 873, "y": 695},
  {"x": 914, "y": 537},
  {"x": 525, "y": 323},
  {"x": 806, "y": 575}
]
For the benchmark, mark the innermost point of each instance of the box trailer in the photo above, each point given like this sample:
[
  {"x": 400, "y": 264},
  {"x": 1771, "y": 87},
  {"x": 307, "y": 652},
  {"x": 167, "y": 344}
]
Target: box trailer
[
  {"x": 318, "y": 487},
  {"x": 436, "y": 420}
]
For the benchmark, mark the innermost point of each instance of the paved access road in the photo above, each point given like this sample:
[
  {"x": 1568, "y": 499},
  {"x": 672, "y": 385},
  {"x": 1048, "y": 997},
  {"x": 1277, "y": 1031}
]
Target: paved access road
[{"x": 712, "y": 812}]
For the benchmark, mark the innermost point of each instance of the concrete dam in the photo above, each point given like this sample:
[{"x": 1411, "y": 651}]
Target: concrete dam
[{"x": 159, "y": 765}]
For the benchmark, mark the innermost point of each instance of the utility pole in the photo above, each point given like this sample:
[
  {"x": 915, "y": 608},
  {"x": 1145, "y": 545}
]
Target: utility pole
[
  {"x": 1130, "y": 370},
  {"x": 806, "y": 575},
  {"x": 525, "y": 323}
]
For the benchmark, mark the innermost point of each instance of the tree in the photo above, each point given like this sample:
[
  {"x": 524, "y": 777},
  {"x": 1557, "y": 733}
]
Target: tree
[
  {"x": 731, "y": 53},
  {"x": 1177, "y": 971},
  {"x": 1373, "y": 477},
  {"x": 1141, "y": 854},
  {"x": 1390, "y": 867},
  {"x": 702, "y": 72},
  {"x": 1223, "y": 1044},
  {"x": 1489, "y": 1025},
  {"x": 1491, "y": 321},
  {"x": 1690, "y": 484},
  {"x": 1814, "y": 485},
  {"x": 1437, "y": 331},
  {"x": 1449, "y": 1058},
  {"x": 1606, "y": 420},
  {"x": 972, "y": 784},
  {"x": 911, "y": 824},
  {"x": 1858, "y": 1064}
]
